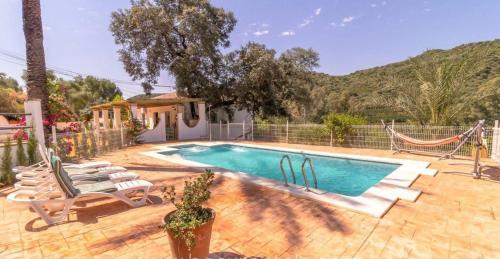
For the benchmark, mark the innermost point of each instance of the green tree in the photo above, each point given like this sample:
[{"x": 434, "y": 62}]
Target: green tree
[
  {"x": 9, "y": 83},
  {"x": 32, "y": 146},
  {"x": 72, "y": 99},
  {"x": 183, "y": 37},
  {"x": 296, "y": 65},
  {"x": 6, "y": 167},
  {"x": 341, "y": 125},
  {"x": 265, "y": 85},
  {"x": 11, "y": 100},
  {"x": 255, "y": 80},
  {"x": 440, "y": 94},
  {"x": 20, "y": 153}
]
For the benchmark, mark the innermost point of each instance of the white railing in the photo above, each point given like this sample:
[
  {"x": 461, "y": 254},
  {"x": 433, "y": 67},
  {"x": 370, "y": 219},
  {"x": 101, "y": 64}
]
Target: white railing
[{"x": 362, "y": 136}]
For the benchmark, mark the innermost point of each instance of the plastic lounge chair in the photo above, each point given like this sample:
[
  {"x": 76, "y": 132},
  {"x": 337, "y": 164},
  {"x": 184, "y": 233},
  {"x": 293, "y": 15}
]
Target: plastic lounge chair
[
  {"x": 49, "y": 152},
  {"x": 45, "y": 206},
  {"x": 32, "y": 182},
  {"x": 46, "y": 154}
]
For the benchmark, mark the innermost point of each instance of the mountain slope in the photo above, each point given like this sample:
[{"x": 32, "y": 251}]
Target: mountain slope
[{"x": 354, "y": 93}]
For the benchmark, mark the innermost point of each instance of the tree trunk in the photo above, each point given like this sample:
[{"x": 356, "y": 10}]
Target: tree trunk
[{"x": 35, "y": 55}]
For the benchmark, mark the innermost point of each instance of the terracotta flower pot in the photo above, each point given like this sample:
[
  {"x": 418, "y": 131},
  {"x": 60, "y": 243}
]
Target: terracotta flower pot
[{"x": 203, "y": 234}]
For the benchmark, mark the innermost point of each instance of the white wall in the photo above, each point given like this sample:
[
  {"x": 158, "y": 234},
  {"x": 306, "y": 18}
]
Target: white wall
[
  {"x": 157, "y": 134},
  {"x": 196, "y": 132}
]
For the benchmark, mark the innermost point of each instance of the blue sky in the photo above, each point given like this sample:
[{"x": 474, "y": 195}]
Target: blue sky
[{"x": 349, "y": 35}]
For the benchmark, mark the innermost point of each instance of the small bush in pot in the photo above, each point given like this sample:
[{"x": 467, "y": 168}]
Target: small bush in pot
[{"x": 189, "y": 227}]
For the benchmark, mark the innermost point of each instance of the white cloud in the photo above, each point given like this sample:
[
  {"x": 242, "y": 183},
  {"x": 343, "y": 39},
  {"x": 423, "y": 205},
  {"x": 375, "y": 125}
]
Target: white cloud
[
  {"x": 288, "y": 33},
  {"x": 305, "y": 23},
  {"x": 47, "y": 28},
  {"x": 344, "y": 21},
  {"x": 383, "y": 3},
  {"x": 317, "y": 12},
  {"x": 260, "y": 33},
  {"x": 265, "y": 25},
  {"x": 348, "y": 19},
  {"x": 427, "y": 10},
  {"x": 80, "y": 9},
  {"x": 373, "y": 5}
]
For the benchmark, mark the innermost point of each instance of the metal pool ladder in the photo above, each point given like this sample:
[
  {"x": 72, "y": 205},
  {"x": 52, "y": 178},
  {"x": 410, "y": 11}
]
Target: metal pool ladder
[
  {"x": 312, "y": 172},
  {"x": 283, "y": 170}
]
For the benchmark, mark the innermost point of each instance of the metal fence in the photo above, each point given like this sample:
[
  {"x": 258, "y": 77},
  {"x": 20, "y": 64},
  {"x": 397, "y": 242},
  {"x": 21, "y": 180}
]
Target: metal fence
[
  {"x": 87, "y": 144},
  {"x": 361, "y": 136}
]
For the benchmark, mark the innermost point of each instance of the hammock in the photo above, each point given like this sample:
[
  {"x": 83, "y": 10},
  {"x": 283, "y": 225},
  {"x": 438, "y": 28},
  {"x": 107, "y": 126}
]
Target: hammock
[
  {"x": 462, "y": 138},
  {"x": 427, "y": 143}
]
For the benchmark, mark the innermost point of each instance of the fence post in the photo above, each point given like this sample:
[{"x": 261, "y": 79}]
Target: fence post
[
  {"x": 210, "y": 131},
  {"x": 331, "y": 138},
  {"x": 286, "y": 131},
  {"x": 121, "y": 134},
  {"x": 227, "y": 130},
  {"x": 392, "y": 134},
  {"x": 54, "y": 137},
  {"x": 220, "y": 129},
  {"x": 252, "y": 130},
  {"x": 243, "y": 126},
  {"x": 495, "y": 143}
]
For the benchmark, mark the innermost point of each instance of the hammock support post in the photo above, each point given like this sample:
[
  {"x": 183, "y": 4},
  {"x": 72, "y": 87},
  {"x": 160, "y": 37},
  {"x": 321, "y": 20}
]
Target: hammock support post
[
  {"x": 479, "y": 143},
  {"x": 462, "y": 138}
]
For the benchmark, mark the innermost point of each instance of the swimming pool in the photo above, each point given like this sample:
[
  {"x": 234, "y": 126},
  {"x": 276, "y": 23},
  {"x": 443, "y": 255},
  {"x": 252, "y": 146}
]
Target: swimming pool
[
  {"x": 366, "y": 184},
  {"x": 344, "y": 176}
]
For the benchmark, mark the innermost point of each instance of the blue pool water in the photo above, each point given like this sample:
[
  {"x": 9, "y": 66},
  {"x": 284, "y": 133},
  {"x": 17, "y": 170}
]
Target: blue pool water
[{"x": 338, "y": 175}]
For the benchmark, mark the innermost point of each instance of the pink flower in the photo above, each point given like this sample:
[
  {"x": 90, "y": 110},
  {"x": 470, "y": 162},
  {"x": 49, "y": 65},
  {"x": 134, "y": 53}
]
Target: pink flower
[{"x": 21, "y": 134}]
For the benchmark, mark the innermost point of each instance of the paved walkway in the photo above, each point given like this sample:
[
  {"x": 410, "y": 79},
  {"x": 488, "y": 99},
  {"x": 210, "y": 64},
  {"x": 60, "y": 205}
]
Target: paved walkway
[{"x": 455, "y": 217}]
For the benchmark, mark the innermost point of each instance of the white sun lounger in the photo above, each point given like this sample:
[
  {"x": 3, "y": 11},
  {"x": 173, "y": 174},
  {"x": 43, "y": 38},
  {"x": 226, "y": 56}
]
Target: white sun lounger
[
  {"x": 84, "y": 168},
  {"x": 44, "y": 204},
  {"x": 30, "y": 180}
]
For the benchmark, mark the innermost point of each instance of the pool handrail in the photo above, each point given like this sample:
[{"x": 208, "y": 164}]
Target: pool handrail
[
  {"x": 312, "y": 172},
  {"x": 291, "y": 170}
]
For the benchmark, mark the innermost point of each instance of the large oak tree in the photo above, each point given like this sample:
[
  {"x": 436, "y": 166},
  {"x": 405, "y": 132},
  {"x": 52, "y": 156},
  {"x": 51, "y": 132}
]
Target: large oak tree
[{"x": 183, "y": 37}]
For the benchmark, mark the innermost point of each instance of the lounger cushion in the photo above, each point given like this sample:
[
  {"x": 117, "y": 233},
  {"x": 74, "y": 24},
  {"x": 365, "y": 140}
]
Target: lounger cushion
[
  {"x": 64, "y": 180},
  {"x": 71, "y": 171},
  {"x": 90, "y": 177},
  {"x": 106, "y": 186}
]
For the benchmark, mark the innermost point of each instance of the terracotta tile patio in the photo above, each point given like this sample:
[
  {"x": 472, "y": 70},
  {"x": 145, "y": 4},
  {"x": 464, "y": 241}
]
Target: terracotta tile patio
[{"x": 455, "y": 217}]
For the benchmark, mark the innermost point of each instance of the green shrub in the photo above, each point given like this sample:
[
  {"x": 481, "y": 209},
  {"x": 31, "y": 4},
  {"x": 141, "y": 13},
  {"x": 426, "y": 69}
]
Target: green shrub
[
  {"x": 32, "y": 145},
  {"x": 93, "y": 144},
  {"x": 20, "y": 153},
  {"x": 76, "y": 144},
  {"x": 341, "y": 124},
  {"x": 189, "y": 214},
  {"x": 134, "y": 129},
  {"x": 6, "y": 168},
  {"x": 84, "y": 147}
]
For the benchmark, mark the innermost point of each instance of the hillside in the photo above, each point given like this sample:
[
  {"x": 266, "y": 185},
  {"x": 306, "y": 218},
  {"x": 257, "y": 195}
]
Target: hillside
[{"x": 354, "y": 93}]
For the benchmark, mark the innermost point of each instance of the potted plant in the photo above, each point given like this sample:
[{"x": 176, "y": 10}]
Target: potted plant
[{"x": 189, "y": 227}]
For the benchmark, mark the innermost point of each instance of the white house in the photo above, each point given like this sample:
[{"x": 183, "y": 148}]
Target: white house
[{"x": 166, "y": 116}]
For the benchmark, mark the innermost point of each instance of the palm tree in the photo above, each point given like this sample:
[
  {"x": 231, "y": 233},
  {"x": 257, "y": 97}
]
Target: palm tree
[
  {"x": 439, "y": 93},
  {"x": 35, "y": 56}
]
